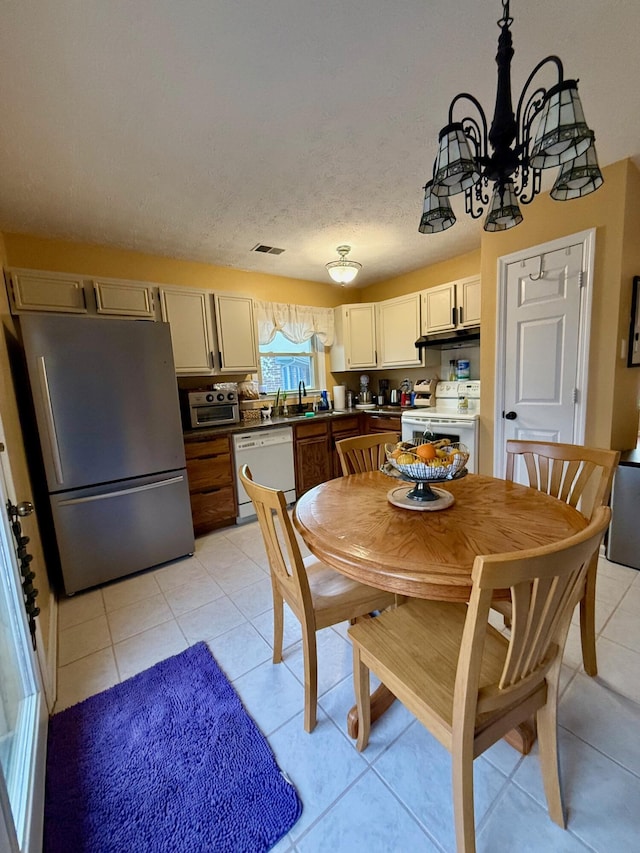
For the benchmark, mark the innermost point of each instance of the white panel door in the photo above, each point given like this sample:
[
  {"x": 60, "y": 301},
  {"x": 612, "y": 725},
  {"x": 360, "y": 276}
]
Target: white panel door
[{"x": 542, "y": 343}]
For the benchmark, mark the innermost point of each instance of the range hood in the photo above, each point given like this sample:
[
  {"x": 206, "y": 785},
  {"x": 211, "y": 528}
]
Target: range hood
[{"x": 452, "y": 338}]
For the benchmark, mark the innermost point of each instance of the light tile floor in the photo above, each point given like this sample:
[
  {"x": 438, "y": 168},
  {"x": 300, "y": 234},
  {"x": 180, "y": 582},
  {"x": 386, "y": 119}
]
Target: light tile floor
[{"x": 396, "y": 796}]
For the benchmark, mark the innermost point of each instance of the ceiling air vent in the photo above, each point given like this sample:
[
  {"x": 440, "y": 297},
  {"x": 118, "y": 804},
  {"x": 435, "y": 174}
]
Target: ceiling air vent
[{"x": 268, "y": 250}]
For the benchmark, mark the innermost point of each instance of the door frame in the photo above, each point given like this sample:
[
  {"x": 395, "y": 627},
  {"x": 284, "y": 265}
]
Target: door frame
[{"x": 588, "y": 240}]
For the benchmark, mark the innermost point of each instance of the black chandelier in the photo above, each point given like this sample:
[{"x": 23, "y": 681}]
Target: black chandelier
[{"x": 472, "y": 155}]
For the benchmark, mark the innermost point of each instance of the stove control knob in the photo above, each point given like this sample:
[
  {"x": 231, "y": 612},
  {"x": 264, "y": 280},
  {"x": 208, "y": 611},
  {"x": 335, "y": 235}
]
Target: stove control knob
[
  {"x": 231, "y": 396},
  {"x": 511, "y": 416},
  {"x": 220, "y": 398},
  {"x": 209, "y": 398}
]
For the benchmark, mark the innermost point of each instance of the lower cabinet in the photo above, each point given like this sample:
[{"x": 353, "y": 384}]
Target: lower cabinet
[
  {"x": 312, "y": 455},
  {"x": 343, "y": 428},
  {"x": 211, "y": 483}
]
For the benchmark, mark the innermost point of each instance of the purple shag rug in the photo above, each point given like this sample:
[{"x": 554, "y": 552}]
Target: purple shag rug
[{"x": 169, "y": 760}]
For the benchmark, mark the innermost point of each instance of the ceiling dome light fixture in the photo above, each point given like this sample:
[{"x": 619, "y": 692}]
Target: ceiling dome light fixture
[
  {"x": 471, "y": 154},
  {"x": 343, "y": 271}
]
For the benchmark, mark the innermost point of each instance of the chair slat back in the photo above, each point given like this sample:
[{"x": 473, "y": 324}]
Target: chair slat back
[
  {"x": 569, "y": 472},
  {"x": 546, "y": 583},
  {"x": 283, "y": 552},
  {"x": 364, "y": 452}
]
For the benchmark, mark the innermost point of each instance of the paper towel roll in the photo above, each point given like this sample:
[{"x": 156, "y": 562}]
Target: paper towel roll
[{"x": 339, "y": 392}]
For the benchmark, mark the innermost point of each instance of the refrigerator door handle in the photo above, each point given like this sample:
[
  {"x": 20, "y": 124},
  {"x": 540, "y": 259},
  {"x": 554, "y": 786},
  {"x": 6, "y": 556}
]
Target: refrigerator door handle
[
  {"x": 120, "y": 492},
  {"x": 51, "y": 423}
]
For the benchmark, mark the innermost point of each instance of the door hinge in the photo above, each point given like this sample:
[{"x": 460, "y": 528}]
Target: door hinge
[
  {"x": 574, "y": 396},
  {"x": 581, "y": 279}
]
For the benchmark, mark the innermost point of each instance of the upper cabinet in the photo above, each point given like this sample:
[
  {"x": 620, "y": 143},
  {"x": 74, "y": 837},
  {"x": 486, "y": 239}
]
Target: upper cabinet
[
  {"x": 207, "y": 342},
  {"x": 236, "y": 330},
  {"x": 32, "y": 290},
  {"x": 377, "y": 334},
  {"x": 451, "y": 306},
  {"x": 124, "y": 298},
  {"x": 398, "y": 327},
  {"x": 189, "y": 313},
  {"x": 354, "y": 346}
]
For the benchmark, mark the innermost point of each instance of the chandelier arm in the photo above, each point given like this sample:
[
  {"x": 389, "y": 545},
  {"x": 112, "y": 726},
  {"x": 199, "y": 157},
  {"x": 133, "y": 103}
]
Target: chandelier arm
[
  {"x": 475, "y": 200},
  {"x": 533, "y": 104},
  {"x": 481, "y": 142}
]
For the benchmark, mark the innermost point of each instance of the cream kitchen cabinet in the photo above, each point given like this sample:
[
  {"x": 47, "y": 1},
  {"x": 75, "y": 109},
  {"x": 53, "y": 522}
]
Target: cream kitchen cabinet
[
  {"x": 354, "y": 346},
  {"x": 124, "y": 298},
  {"x": 34, "y": 290},
  {"x": 207, "y": 342},
  {"x": 190, "y": 315},
  {"x": 236, "y": 333},
  {"x": 455, "y": 305},
  {"x": 398, "y": 327}
]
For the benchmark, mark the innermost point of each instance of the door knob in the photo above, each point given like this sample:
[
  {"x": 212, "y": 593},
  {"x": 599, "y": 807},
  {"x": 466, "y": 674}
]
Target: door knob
[
  {"x": 511, "y": 416},
  {"x": 24, "y": 508}
]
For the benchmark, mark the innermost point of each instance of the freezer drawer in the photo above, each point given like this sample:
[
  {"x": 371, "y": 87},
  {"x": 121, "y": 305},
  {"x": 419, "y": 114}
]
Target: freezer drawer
[{"x": 109, "y": 531}]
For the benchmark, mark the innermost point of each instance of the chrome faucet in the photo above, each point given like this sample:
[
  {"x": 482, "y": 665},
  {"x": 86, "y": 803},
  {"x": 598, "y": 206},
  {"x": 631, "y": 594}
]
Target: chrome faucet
[{"x": 302, "y": 391}]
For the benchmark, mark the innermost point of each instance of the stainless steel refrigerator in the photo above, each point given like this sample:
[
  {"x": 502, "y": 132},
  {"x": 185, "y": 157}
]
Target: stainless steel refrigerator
[{"x": 108, "y": 419}]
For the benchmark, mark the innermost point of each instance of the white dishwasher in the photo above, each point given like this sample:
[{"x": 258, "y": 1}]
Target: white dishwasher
[{"x": 269, "y": 455}]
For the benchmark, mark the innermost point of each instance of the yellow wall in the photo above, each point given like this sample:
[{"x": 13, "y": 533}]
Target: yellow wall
[
  {"x": 627, "y": 380},
  {"x": 547, "y": 220},
  {"x": 63, "y": 256},
  {"x": 18, "y": 461},
  {"x": 440, "y": 273}
]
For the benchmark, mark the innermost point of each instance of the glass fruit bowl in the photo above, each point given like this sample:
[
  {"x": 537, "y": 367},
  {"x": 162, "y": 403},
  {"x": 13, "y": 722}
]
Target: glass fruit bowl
[{"x": 424, "y": 463}]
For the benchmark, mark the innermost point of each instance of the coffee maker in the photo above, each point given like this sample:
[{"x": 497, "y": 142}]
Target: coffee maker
[{"x": 383, "y": 392}]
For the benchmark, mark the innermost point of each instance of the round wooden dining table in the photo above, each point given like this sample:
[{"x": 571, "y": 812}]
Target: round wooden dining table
[{"x": 350, "y": 525}]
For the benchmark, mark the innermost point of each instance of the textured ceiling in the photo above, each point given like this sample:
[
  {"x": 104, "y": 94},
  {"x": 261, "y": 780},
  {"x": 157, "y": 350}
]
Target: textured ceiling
[{"x": 197, "y": 129}]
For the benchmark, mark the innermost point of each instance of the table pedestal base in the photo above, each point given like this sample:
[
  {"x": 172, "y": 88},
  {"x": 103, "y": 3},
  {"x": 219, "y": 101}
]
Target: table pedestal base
[{"x": 521, "y": 738}]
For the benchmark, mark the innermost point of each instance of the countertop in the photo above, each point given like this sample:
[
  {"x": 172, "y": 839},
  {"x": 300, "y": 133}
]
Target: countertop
[{"x": 203, "y": 433}]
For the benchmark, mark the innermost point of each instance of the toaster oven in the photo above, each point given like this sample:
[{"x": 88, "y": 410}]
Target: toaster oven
[{"x": 213, "y": 408}]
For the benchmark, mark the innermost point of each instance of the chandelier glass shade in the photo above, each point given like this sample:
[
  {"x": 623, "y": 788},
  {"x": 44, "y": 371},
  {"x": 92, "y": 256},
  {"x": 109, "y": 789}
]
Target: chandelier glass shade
[
  {"x": 437, "y": 214},
  {"x": 343, "y": 271},
  {"x": 498, "y": 166}
]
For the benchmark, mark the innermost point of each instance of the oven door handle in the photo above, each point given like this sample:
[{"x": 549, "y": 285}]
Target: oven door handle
[{"x": 428, "y": 425}]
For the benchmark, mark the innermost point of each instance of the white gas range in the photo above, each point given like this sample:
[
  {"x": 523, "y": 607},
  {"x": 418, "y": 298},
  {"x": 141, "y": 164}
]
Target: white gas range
[{"x": 454, "y": 416}]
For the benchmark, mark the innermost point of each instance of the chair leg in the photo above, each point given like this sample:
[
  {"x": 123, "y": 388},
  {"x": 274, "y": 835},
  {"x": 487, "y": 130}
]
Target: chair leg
[
  {"x": 463, "y": 810},
  {"x": 278, "y": 625},
  {"x": 310, "y": 655},
  {"x": 588, "y": 620},
  {"x": 546, "y": 718},
  {"x": 362, "y": 688}
]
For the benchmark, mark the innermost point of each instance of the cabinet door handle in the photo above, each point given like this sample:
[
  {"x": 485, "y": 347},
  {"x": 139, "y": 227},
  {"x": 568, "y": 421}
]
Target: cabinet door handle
[
  {"x": 453, "y": 316},
  {"x": 460, "y": 315}
]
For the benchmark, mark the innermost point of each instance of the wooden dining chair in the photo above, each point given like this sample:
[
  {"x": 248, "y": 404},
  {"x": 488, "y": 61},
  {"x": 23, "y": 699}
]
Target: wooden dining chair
[
  {"x": 317, "y": 595},
  {"x": 467, "y": 683},
  {"x": 364, "y": 452},
  {"x": 581, "y": 477}
]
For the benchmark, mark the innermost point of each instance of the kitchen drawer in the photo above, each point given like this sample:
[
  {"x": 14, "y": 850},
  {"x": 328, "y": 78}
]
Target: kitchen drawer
[
  {"x": 344, "y": 425},
  {"x": 209, "y": 472},
  {"x": 311, "y": 430},
  {"x": 212, "y": 447},
  {"x": 383, "y": 423},
  {"x": 214, "y": 508}
]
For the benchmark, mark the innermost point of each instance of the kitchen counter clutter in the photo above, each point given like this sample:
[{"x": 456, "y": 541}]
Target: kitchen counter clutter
[{"x": 269, "y": 423}]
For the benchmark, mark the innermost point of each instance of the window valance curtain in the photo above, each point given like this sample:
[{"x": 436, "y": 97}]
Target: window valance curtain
[{"x": 297, "y": 323}]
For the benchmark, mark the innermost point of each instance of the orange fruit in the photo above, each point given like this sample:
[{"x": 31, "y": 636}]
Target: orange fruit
[{"x": 426, "y": 452}]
